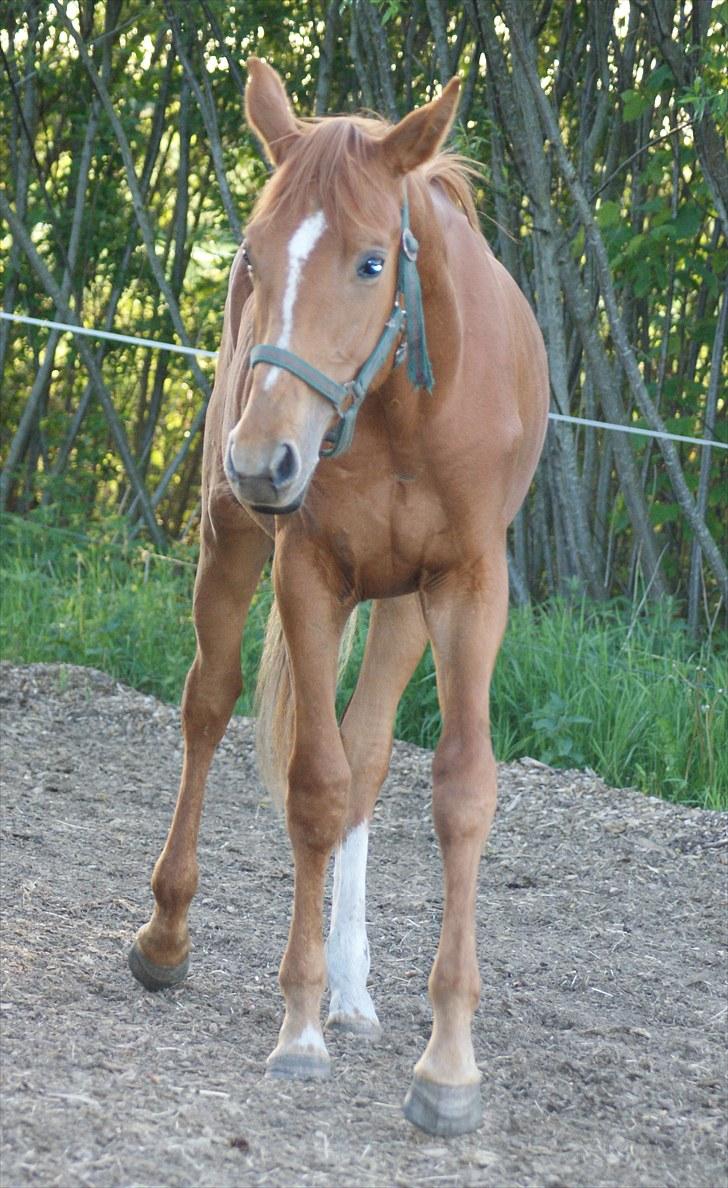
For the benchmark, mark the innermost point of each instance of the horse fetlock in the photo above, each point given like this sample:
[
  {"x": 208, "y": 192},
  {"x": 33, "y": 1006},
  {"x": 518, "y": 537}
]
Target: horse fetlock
[
  {"x": 302, "y": 984},
  {"x": 301, "y": 1049},
  {"x": 300, "y": 1053},
  {"x": 174, "y": 884},
  {"x": 162, "y": 944},
  {"x": 448, "y": 1058},
  {"x": 454, "y": 991},
  {"x": 351, "y": 1009},
  {"x": 152, "y": 974}
]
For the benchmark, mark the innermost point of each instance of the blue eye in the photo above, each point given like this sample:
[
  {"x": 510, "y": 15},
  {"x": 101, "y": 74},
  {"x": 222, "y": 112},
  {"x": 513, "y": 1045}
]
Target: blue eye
[{"x": 372, "y": 266}]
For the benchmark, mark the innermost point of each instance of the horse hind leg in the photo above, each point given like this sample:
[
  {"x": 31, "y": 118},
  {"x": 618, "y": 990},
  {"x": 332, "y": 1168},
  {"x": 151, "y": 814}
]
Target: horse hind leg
[
  {"x": 396, "y": 640},
  {"x": 227, "y": 575}
]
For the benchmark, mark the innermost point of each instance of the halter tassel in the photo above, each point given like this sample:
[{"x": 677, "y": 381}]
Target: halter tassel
[{"x": 419, "y": 368}]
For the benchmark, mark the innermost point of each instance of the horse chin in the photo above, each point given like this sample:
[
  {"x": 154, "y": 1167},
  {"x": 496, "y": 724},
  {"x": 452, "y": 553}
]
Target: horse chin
[{"x": 286, "y": 510}]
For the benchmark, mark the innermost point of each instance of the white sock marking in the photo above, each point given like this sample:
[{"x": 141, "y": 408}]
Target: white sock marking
[
  {"x": 311, "y": 1038},
  {"x": 347, "y": 949},
  {"x": 302, "y": 243}
]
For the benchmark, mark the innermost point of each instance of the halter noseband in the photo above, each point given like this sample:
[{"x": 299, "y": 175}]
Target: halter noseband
[{"x": 347, "y": 398}]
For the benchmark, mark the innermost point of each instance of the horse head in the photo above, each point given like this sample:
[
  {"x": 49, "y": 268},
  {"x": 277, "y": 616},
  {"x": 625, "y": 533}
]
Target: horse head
[{"x": 332, "y": 261}]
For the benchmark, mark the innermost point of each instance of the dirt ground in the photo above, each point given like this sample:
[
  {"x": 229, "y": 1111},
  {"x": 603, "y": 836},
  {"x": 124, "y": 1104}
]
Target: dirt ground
[{"x": 601, "y": 930}]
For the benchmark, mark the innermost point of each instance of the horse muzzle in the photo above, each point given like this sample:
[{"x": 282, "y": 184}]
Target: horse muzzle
[{"x": 268, "y": 481}]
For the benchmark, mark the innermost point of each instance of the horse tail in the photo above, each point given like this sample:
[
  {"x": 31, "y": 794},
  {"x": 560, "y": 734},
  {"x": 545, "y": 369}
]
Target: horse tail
[{"x": 274, "y": 704}]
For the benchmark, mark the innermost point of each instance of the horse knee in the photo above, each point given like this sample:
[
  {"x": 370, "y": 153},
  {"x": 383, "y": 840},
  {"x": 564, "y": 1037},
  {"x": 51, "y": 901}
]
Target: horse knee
[
  {"x": 317, "y": 801},
  {"x": 464, "y": 790},
  {"x": 208, "y": 701}
]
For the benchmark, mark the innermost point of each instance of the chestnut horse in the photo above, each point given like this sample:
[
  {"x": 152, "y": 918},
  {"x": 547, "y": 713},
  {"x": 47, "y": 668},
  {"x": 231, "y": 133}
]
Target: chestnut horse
[{"x": 334, "y": 311}]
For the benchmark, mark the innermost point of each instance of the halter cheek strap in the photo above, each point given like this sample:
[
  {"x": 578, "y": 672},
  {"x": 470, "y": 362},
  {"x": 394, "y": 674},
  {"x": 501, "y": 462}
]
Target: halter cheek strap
[{"x": 347, "y": 398}]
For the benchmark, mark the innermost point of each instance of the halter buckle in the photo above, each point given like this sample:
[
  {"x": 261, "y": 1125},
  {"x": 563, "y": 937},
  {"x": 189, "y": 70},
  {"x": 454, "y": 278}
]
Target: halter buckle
[{"x": 410, "y": 246}]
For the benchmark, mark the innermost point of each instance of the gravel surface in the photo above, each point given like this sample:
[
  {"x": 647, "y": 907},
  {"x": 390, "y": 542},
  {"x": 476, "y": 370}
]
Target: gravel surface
[{"x": 601, "y": 1032}]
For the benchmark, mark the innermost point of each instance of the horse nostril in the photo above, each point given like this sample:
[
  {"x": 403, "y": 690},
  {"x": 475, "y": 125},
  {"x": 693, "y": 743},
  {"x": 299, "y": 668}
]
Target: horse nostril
[
  {"x": 284, "y": 465},
  {"x": 230, "y": 467}
]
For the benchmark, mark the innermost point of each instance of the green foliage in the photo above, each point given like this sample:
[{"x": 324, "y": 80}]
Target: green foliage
[
  {"x": 123, "y": 610},
  {"x": 636, "y": 102},
  {"x": 577, "y": 684},
  {"x": 629, "y": 124},
  {"x": 556, "y": 726},
  {"x": 597, "y": 685},
  {"x": 707, "y": 94}
]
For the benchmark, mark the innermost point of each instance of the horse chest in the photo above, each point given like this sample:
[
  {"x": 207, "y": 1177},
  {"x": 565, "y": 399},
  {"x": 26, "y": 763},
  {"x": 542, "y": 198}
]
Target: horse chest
[{"x": 390, "y": 543}]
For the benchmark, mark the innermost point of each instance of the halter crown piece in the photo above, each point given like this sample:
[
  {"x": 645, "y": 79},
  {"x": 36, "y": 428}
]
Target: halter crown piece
[{"x": 347, "y": 398}]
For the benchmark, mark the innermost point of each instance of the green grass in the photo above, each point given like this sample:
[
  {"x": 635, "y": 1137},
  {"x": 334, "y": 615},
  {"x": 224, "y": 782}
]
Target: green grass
[{"x": 577, "y": 684}]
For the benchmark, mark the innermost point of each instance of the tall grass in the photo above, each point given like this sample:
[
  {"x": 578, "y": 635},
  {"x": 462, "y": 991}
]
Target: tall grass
[{"x": 577, "y": 684}]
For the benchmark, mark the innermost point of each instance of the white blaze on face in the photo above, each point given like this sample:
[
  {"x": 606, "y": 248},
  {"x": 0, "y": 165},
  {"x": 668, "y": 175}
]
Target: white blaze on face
[
  {"x": 347, "y": 949},
  {"x": 302, "y": 243}
]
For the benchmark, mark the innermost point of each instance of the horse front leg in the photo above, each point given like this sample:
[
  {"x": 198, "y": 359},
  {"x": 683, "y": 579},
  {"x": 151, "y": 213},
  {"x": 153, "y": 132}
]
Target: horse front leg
[
  {"x": 466, "y": 618},
  {"x": 316, "y": 803},
  {"x": 230, "y": 564},
  {"x": 396, "y": 640}
]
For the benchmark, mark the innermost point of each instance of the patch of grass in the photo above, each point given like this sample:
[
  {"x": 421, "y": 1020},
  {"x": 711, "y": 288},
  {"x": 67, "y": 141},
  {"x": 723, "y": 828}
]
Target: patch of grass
[
  {"x": 576, "y": 685},
  {"x": 594, "y": 685}
]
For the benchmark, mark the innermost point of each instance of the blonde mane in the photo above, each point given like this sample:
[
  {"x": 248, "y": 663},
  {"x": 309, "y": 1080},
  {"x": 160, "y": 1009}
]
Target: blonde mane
[{"x": 334, "y": 165}]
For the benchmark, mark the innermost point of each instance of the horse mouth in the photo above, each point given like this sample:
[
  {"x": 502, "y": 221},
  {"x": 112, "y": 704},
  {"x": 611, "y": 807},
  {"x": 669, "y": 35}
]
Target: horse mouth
[{"x": 286, "y": 510}]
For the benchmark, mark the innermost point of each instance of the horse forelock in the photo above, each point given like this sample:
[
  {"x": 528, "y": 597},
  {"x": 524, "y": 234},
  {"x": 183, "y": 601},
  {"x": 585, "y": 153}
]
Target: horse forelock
[{"x": 334, "y": 167}]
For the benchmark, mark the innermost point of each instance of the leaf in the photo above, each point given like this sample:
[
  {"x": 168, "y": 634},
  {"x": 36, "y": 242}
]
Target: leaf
[
  {"x": 688, "y": 220},
  {"x": 609, "y": 214},
  {"x": 633, "y": 104},
  {"x": 659, "y": 79},
  {"x": 661, "y": 513}
]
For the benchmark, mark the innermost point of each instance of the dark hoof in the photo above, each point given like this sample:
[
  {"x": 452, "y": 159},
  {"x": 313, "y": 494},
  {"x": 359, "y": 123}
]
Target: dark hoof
[
  {"x": 298, "y": 1066},
  {"x": 153, "y": 976},
  {"x": 354, "y": 1025},
  {"x": 444, "y": 1110}
]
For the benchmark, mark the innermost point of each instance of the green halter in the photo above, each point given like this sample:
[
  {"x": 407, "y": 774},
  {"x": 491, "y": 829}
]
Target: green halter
[{"x": 347, "y": 398}]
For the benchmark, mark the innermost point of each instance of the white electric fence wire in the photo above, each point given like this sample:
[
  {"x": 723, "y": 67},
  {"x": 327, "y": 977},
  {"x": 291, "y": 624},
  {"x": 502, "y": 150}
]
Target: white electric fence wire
[
  {"x": 155, "y": 344},
  {"x": 145, "y": 342},
  {"x": 701, "y": 441}
]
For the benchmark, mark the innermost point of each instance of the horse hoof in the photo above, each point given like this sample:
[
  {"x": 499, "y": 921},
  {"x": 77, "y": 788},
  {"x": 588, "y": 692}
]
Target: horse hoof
[
  {"x": 153, "y": 976},
  {"x": 368, "y": 1029},
  {"x": 300, "y": 1066},
  {"x": 443, "y": 1110}
]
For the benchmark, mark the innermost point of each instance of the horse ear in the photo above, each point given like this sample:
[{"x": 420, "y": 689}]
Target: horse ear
[
  {"x": 268, "y": 110},
  {"x": 419, "y": 135}
]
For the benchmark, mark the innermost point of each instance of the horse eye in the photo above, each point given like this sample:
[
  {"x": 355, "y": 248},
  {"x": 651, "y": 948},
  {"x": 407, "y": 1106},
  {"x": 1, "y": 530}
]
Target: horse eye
[
  {"x": 247, "y": 259},
  {"x": 372, "y": 266}
]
